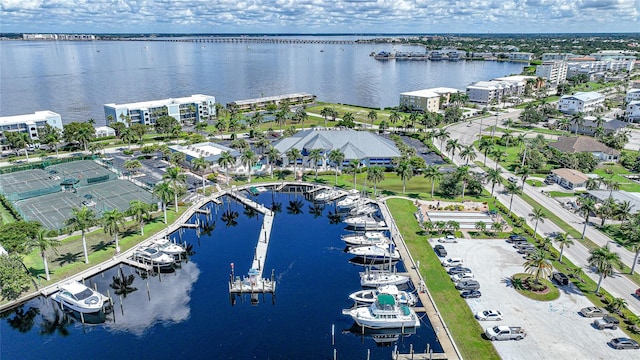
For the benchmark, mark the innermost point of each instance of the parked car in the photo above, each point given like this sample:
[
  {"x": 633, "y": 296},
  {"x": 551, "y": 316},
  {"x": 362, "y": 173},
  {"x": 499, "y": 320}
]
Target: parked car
[
  {"x": 448, "y": 239},
  {"x": 606, "y": 322},
  {"x": 458, "y": 270},
  {"x": 560, "y": 278},
  {"x": 520, "y": 245},
  {"x": 461, "y": 277},
  {"x": 624, "y": 343},
  {"x": 513, "y": 179},
  {"x": 468, "y": 285},
  {"x": 452, "y": 262},
  {"x": 505, "y": 333},
  {"x": 526, "y": 250},
  {"x": 471, "y": 294},
  {"x": 440, "y": 250},
  {"x": 592, "y": 311},
  {"x": 489, "y": 315},
  {"x": 513, "y": 238}
]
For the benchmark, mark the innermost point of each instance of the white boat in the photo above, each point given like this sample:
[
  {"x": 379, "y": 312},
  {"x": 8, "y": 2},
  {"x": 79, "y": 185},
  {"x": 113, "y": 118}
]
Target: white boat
[
  {"x": 349, "y": 202},
  {"x": 367, "y": 238},
  {"x": 78, "y": 297},
  {"x": 364, "y": 222},
  {"x": 326, "y": 195},
  {"x": 375, "y": 252},
  {"x": 153, "y": 257},
  {"x": 167, "y": 247},
  {"x": 368, "y": 296},
  {"x": 364, "y": 209},
  {"x": 384, "y": 313},
  {"x": 381, "y": 278}
]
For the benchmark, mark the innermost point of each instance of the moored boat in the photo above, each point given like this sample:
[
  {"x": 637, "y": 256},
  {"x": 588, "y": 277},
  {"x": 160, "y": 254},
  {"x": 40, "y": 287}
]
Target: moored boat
[
  {"x": 364, "y": 222},
  {"x": 78, "y": 297},
  {"x": 349, "y": 202},
  {"x": 367, "y": 238},
  {"x": 384, "y": 313},
  {"x": 167, "y": 247},
  {"x": 375, "y": 252},
  {"x": 363, "y": 209},
  {"x": 153, "y": 257},
  {"x": 381, "y": 278},
  {"x": 368, "y": 296},
  {"x": 326, "y": 195}
]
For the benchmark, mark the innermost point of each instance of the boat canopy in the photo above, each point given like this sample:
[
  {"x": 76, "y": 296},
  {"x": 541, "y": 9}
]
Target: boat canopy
[{"x": 386, "y": 299}]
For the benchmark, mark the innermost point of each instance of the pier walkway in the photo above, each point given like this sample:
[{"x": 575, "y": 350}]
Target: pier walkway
[{"x": 443, "y": 337}]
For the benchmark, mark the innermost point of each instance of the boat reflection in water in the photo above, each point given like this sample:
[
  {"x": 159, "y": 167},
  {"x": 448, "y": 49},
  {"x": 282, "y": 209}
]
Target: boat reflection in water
[{"x": 382, "y": 337}]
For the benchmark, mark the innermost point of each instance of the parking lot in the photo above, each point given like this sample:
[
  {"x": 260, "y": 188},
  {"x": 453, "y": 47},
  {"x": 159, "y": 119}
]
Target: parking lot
[{"x": 555, "y": 330}]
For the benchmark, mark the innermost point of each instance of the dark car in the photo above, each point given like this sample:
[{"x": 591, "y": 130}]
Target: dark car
[
  {"x": 624, "y": 343},
  {"x": 470, "y": 294},
  {"x": 560, "y": 278},
  {"x": 513, "y": 238},
  {"x": 458, "y": 270},
  {"x": 468, "y": 285},
  {"x": 440, "y": 250}
]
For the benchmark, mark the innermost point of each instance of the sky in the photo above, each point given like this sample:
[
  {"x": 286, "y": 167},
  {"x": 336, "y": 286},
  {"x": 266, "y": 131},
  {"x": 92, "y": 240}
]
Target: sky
[{"x": 320, "y": 16}]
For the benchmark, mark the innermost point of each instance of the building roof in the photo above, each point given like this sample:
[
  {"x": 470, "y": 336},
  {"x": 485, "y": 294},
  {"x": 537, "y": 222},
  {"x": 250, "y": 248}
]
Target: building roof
[
  {"x": 162, "y": 102},
  {"x": 28, "y": 118},
  {"x": 579, "y": 144},
  {"x": 276, "y": 98},
  {"x": 608, "y": 124},
  {"x": 583, "y": 96},
  {"x": 431, "y": 92},
  {"x": 571, "y": 175},
  {"x": 515, "y": 78},
  {"x": 210, "y": 151},
  {"x": 354, "y": 144},
  {"x": 620, "y": 196}
]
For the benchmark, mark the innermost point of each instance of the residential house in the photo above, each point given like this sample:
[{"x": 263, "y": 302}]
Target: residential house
[
  {"x": 574, "y": 145},
  {"x": 590, "y": 124},
  {"x": 581, "y": 102},
  {"x": 619, "y": 196},
  {"x": 570, "y": 178}
]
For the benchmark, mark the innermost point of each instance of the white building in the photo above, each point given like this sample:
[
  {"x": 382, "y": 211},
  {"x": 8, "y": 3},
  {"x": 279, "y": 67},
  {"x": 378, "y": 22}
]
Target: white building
[
  {"x": 520, "y": 56},
  {"x": 581, "y": 102},
  {"x": 427, "y": 99},
  {"x": 486, "y": 92},
  {"x": 633, "y": 95},
  {"x": 556, "y": 56},
  {"x": 632, "y": 111},
  {"x": 194, "y": 108},
  {"x": 554, "y": 71},
  {"x": 104, "y": 131},
  {"x": 577, "y": 67},
  {"x": 30, "y": 123},
  {"x": 614, "y": 55}
]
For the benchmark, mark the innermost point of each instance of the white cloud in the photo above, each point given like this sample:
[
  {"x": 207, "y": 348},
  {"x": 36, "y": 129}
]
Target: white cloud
[{"x": 427, "y": 16}]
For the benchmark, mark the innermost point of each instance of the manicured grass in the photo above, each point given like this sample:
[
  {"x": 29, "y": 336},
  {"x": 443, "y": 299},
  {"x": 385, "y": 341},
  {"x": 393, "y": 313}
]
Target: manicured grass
[
  {"x": 551, "y": 294},
  {"x": 615, "y": 172},
  {"x": 465, "y": 330},
  {"x": 556, "y": 194}
]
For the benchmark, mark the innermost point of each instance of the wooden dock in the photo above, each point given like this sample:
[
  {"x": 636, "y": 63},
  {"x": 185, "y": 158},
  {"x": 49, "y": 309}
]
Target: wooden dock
[
  {"x": 429, "y": 307},
  {"x": 250, "y": 203}
]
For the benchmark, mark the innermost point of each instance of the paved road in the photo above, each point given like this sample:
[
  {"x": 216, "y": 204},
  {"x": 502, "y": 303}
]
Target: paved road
[{"x": 618, "y": 285}]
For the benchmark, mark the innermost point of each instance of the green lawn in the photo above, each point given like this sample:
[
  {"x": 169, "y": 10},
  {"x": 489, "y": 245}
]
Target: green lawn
[
  {"x": 551, "y": 294},
  {"x": 615, "y": 172},
  {"x": 465, "y": 330}
]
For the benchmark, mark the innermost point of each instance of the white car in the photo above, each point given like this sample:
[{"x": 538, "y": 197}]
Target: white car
[
  {"x": 448, "y": 239},
  {"x": 489, "y": 315},
  {"x": 452, "y": 262},
  {"x": 461, "y": 277}
]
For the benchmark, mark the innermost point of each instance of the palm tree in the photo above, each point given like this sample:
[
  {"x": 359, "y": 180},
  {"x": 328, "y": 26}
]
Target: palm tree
[
  {"x": 462, "y": 174},
  {"x": 452, "y": 146},
  {"x": 43, "y": 243},
  {"x": 352, "y": 168},
  {"x": 177, "y": 179},
  {"x": 375, "y": 174},
  {"x": 272, "y": 154},
  {"x": 494, "y": 176},
  {"x": 405, "y": 171},
  {"x": 481, "y": 226},
  {"x": 139, "y": 210},
  {"x": 537, "y": 215},
  {"x": 248, "y": 158},
  {"x": 82, "y": 219},
  {"x": 538, "y": 264},
  {"x": 337, "y": 157},
  {"x": 498, "y": 155},
  {"x": 631, "y": 231},
  {"x": 432, "y": 172},
  {"x": 294, "y": 154},
  {"x": 226, "y": 160},
  {"x": 603, "y": 260},
  {"x": 512, "y": 189},
  {"x": 524, "y": 172},
  {"x": 563, "y": 241},
  {"x": 200, "y": 164},
  {"x": 348, "y": 118},
  {"x": 372, "y": 116},
  {"x": 113, "y": 224},
  {"x": 442, "y": 135},
  {"x": 315, "y": 156},
  {"x": 325, "y": 112},
  {"x": 394, "y": 117},
  {"x": 485, "y": 145},
  {"x": 587, "y": 206},
  {"x": 164, "y": 192},
  {"x": 468, "y": 153}
]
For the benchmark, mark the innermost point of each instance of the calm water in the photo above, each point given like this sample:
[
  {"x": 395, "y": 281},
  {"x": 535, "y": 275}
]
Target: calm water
[
  {"x": 76, "y": 78},
  {"x": 189, "y": 313}
]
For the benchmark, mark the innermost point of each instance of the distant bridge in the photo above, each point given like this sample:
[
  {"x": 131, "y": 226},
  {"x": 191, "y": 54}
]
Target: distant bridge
[{"x": 255, "y": 40}]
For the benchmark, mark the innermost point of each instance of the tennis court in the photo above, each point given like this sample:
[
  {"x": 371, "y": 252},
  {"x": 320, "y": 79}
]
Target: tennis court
[
  {"x": 87, "y": 172},
  {"x": 50, "y": 210},
  {"x": 116, "y": 194},
  {"x": 29, "y": 183}
]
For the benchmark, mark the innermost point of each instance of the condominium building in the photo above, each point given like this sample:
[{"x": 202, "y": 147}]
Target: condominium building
[
  {"x": 486, "y": 92},
  {"x": 614, "y": 55},
  {"x": 557, "y": 56},
  {"x": 633, "y": 95},
  {"x": 581, "y": 102},
  {"x": 190, "y": 109},
  {"x": 554, "y": 71},
  {"x": 632, "y": 111},
  {"x": 520, "y": 56},
  {"x": 263, "y": 102},
  {"x": 427, "y": 99},
  {"x": 30, "y": 123},
  {"x": 590, "y": 67}
]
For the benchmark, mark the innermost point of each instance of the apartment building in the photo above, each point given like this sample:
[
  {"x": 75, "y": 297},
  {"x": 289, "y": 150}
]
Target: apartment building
[
  {"x": 263, "y": 102},
  {"x": 486, "y": 92},
  {"x": 30, "y": 123},
  {"x": 614, "y": 55},
  {"x": 190, "y": 109},
  {"x": 581, "y": 102},
  {"x": 557, "y": 56},
  {"x": 592, "y": 67},
  {"x": 632, "y": 112},
  {"x": 428, "y": 99},
  {"x": 554, "y": 71},
  {"x": 520, "y": 56},
  {"x": 632, "y": 95}
]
